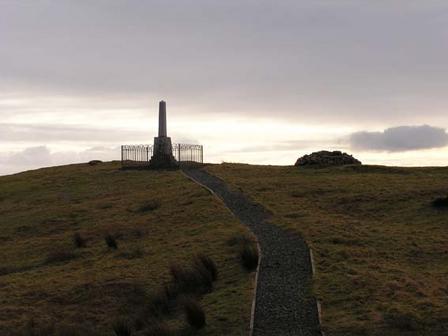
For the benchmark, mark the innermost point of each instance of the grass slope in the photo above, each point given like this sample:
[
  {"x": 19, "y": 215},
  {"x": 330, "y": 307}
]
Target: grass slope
[
  {"x": 381, "y": 249},
  {"x": 157, "y": 217}
]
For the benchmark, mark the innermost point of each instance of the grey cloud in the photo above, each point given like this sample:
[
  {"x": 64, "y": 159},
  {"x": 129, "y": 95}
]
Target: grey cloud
[
  {"x": 33, "y": 156},
  {"x": 402, "y": 138},
  {"x": 42, "y": 156},
  {"x": 292, "y": 145},
  {"x": 313, "y": 60},
  {"x": 80, "y": 135},
  {"x": 17, "y": 133}
]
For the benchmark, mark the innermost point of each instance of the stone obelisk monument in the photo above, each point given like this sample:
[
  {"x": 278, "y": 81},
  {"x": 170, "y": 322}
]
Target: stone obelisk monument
[{"x": 163, "y": 150}]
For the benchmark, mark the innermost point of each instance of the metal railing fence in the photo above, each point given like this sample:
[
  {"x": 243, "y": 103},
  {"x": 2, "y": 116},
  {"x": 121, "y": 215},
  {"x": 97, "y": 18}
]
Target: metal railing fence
[{"x": 140, "y": 155}]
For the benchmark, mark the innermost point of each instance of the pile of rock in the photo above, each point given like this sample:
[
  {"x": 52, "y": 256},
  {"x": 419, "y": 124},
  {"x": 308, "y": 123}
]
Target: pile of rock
[{"x": 327, "y": 158}]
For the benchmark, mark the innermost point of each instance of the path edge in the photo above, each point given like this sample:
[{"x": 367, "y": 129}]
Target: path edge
[
  {"x": 318, "y": 304},
  {"x": 254, "y": 300}
]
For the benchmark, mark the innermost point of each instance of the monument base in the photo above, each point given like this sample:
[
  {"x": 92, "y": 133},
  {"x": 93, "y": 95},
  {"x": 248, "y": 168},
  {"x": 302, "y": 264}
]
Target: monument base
[
  {"x": 162, "y": 157},
  {"x": 163, "y": 161}
]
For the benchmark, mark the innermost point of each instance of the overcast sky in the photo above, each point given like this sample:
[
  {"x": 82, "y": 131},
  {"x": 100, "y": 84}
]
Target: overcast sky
[{"x": 253, "y": 81}]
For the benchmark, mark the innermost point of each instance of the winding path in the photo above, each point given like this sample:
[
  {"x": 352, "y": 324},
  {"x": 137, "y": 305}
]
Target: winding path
[{"x": 283, "y": 305}]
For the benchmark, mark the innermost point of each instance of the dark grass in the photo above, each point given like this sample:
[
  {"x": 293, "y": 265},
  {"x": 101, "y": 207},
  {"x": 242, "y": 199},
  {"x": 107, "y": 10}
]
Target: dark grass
[
  {"x": 158, "y": 328},
  {"x": 73, "y": 330},
  {"x": 204, "y": 261},
  {"x": 111, "y": 242},
  {"x": 186, "y": 280},
  {"x": 122, "y": 327},
  {"x": 194, "y": 314},
  {"x": 249, "y": 255},
  {"x": 248, "y": 251},
  {"x": 149, "y": 206},
  {"x": 205, "y": 283},
  {"x": 132, "y": 254},
  {"x": 32, "y": 328},
  {"x": 187, "y": 284},
  {"x": 79, "y": 241},
  {"x": 238, "y": 240},
  {"x": 59, "y": 256},
  {"x": 440, "y": 203},
  {"x": 164, "y": 301},
  {"x": 196, "y": 279},
  {"x": 404, "y": 321},
  {"x": 6, "y": 270}
]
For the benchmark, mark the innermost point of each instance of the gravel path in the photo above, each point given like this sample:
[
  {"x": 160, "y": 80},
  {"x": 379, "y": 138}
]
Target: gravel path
[{"x": 283, "y": 306}]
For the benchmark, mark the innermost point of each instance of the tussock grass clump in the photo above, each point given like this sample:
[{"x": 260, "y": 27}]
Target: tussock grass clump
[
  {"x": 31, "y": 328},
  {"x": 205, "y": 283},
  {"x": 73, "y": 330},
  {"x": 59, "y": 256},
  {"x": 137, "y": 233},
  {"x": 111, "y": 242},
  {"x": 158, "y": 328},
  {"x": 105, "y": 206},
  {"x": 134, "y": 253},
  {"x": 191, "y": 280},
  {"x": 249, "y": 255},
  {"x": 122, "y": 327},
  {"x": 194, "y": 314},
  {"x": 79, "y": 241},
  {"x": 204, "y": 261},
  {"x": 70, "y": 331},
  {"x": 248, "y": 251},
  {"x": 6, "y": 270},
  {"x": 149, "y": 206},
  {"x": 441, "y": 202},
  {"x": 297, "y": 194},
  {"x": 238, "y": 240},
  {"x": 197, "y": 279},
  {"x": 397, "y": 319},
  {"x": 140, "y": 320},
  {"x": 164, "y": 301},
  {"x": 185, "y": 279}
]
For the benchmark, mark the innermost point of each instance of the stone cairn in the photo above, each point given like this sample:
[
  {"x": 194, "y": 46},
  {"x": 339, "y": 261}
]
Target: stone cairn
[
  {"x": 163, "y": 150},
  {"x": 326, "y": 159}
]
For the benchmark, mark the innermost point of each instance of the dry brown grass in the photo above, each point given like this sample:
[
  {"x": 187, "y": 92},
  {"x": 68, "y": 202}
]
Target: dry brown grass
[
  {"x": 381, "y": 248},
  {"x": 42, "y": 210}
]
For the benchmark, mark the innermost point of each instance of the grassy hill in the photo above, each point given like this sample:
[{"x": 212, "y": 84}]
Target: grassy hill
[
  {"x": 54, "y": 283},
  {"x": 381, "y": 249}
]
